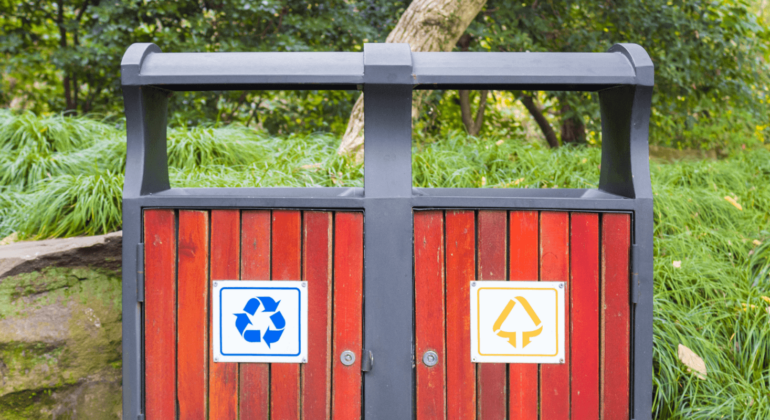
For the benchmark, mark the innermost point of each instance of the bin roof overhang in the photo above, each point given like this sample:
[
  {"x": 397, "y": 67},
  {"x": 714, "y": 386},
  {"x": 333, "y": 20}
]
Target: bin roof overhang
[{"x": 624, "y": 64}]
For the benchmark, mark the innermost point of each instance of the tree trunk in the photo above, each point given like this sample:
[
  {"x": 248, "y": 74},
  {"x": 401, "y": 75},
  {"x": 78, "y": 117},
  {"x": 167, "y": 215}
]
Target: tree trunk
[
  {"x": 426, "y": 25},
  {"x": 537, "y": 114},
  {"x": 572, "y": 128},
  {"x": 69, "y": 104},
  {"x": 472, "y": 125}
]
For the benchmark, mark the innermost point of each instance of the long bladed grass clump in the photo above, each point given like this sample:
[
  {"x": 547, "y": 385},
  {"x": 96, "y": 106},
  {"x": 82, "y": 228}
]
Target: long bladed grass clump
[{"x": 62, "y": 176}]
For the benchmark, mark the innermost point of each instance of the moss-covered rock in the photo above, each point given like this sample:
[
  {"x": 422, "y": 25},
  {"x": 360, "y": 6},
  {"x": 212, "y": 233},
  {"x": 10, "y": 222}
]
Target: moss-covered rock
[{"x": 60, "y": 344}]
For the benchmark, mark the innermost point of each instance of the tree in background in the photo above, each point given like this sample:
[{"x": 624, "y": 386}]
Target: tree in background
[
  {"x": 426, "y": 25},
  {"x": 710, "y": 57}
]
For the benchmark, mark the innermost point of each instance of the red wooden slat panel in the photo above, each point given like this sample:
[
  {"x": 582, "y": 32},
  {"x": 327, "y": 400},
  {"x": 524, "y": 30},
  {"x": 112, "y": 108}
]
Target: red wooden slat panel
[
  {"x": 554, "y": 266},
  {"x": 348, "y": 313},
  {"x": 255, "y": 265},
  {"x": 316, "y": 373},
  {"x": 616, "y": 241},
  {"x": 584, "y": 290},
  {"x": 160, "y": 313},
  {"x": 287, "y": 258},
  {"x": 429, "y": 312},
  {"x": 523, "y": 263},
  {"x": 193, "y": 333},
  {"x": 225, "y": 258},
  {"x": 492, "y": 378},
  {"x": 460, "y": 271}
]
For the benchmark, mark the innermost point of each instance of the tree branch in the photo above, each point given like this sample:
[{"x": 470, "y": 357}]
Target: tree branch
[{"x": 537, "y": 114}]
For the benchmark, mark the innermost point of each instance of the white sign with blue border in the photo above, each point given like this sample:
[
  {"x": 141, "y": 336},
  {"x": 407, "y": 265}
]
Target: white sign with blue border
[{"x": 259, "y": 321}]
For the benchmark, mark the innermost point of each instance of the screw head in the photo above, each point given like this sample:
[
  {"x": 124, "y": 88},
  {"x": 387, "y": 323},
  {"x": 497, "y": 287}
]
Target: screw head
[
  {"x": 561, "y": 285},
  {"x": 347, "y": 357},
  {"x": 216, "y": 284},
  {"x": 216, "y": 359},
  {"x": 561, "y": 360},
  {"x": 430, "y": 358},
  {"x": 304, "y": 284},
  {"x": 473, "y": 284},
  {"x": 474, "y": 359},
  {"x": 304, "y": 360}
]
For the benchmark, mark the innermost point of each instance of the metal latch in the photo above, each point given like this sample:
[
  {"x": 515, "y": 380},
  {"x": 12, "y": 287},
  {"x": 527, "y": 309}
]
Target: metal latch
[{"x": 367, "y": 363}]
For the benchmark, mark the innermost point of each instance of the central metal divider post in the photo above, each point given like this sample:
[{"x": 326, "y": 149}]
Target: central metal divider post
[{"x": 388, "y": 288}]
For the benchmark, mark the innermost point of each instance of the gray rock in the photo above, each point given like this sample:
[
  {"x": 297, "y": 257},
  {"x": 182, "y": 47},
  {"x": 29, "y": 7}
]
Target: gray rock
[
  {"x": 60, "y": 329},
  {"x": 103, "y": 251}
]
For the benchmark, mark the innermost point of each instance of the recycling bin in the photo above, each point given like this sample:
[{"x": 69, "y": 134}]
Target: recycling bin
[{"x": 395, "y": 276}]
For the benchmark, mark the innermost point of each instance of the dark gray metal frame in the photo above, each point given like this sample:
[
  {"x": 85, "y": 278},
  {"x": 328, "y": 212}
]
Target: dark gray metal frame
[{"x": 388, "y": 73}]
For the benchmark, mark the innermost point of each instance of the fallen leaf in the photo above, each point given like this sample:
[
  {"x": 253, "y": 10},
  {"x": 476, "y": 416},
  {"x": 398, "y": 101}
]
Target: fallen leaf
[
  {"x": 756, "y": 242},
  {"x": 483, "y": 181},
  {"x": 677, "y": 264},
  {"x": 499, "y": 142},
  {"x": 692, "y": 361},
  {"x": 733, "y": 202},
  {"x": 766, "y": 299}
]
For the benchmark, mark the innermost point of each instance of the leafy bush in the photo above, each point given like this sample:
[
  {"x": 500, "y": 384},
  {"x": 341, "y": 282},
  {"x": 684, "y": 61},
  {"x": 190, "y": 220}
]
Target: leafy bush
[
  {"x": 73, "y": 205},
  {"x": 35, "y": 147},
  {"x": 460, "y": 161},
  {"x": 712, "y": 299}
]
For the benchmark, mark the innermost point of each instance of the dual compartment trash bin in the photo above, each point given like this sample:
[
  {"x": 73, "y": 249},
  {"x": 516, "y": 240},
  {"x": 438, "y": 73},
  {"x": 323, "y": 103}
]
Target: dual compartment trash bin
[{"x": 388, "y": 266}]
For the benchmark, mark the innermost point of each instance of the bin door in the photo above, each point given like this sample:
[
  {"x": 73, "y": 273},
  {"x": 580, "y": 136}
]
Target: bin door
[
  {"x": 186, "y": 250},
  {"x": 589, "y": 252}
]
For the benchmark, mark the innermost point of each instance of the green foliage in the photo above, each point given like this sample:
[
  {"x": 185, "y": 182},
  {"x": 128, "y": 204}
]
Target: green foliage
[
  {"x": 68, "y": 59},
  {"x": 294, "y": 161},
  {"x": 32, "y": 148},
  {"x": 713, "y": 302},
  {"x": 710, "y": 59},
  {"x": 73, "y": 205},
  {"x": 460, "y": 161}
]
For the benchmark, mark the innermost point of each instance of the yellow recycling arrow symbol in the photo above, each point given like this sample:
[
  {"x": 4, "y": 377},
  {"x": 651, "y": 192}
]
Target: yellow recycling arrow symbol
[{"x": 526, "y": 335}]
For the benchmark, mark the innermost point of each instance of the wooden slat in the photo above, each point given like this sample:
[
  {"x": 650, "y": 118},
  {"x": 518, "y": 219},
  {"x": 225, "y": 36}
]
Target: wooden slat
[
  {"x": 460, "y": 271},
  {"x": 492, "y": 378},
  {"x": 160, "y": 313},
  {"x": 225, "y": 258},
  {"x": 348, "y": 313},
  {"x": 193, "y": 333},
  {"x": 317, "y": 261},
  {"x": 429, "y": 312},
  {"x": 287, "y": 258},
  {"x": 523, "y": 266},
  {"x": 254, "y": 398},
  {"x": 584, "y": 290},
  {"x": 615, "y": 329},
  {"x": 554, "y": 266}
]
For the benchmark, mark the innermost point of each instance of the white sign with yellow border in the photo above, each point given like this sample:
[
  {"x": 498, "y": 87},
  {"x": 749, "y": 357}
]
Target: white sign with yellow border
[{"x": 517, "y": 322}]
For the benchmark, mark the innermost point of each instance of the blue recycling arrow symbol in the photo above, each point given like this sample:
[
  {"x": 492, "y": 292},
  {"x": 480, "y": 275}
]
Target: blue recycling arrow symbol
[{"x": 242, "y": 321}]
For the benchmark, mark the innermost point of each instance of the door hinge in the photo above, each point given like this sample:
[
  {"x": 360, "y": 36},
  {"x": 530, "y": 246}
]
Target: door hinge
[
  {"x": 635, "y": 286},
  {"x": 367, "y": 363},
  {"x": 140, "y": 272}
]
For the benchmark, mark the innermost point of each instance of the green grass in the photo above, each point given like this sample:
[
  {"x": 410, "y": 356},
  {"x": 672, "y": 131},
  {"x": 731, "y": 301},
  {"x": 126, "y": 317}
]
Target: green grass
[{"x": 63, "y": 177}]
